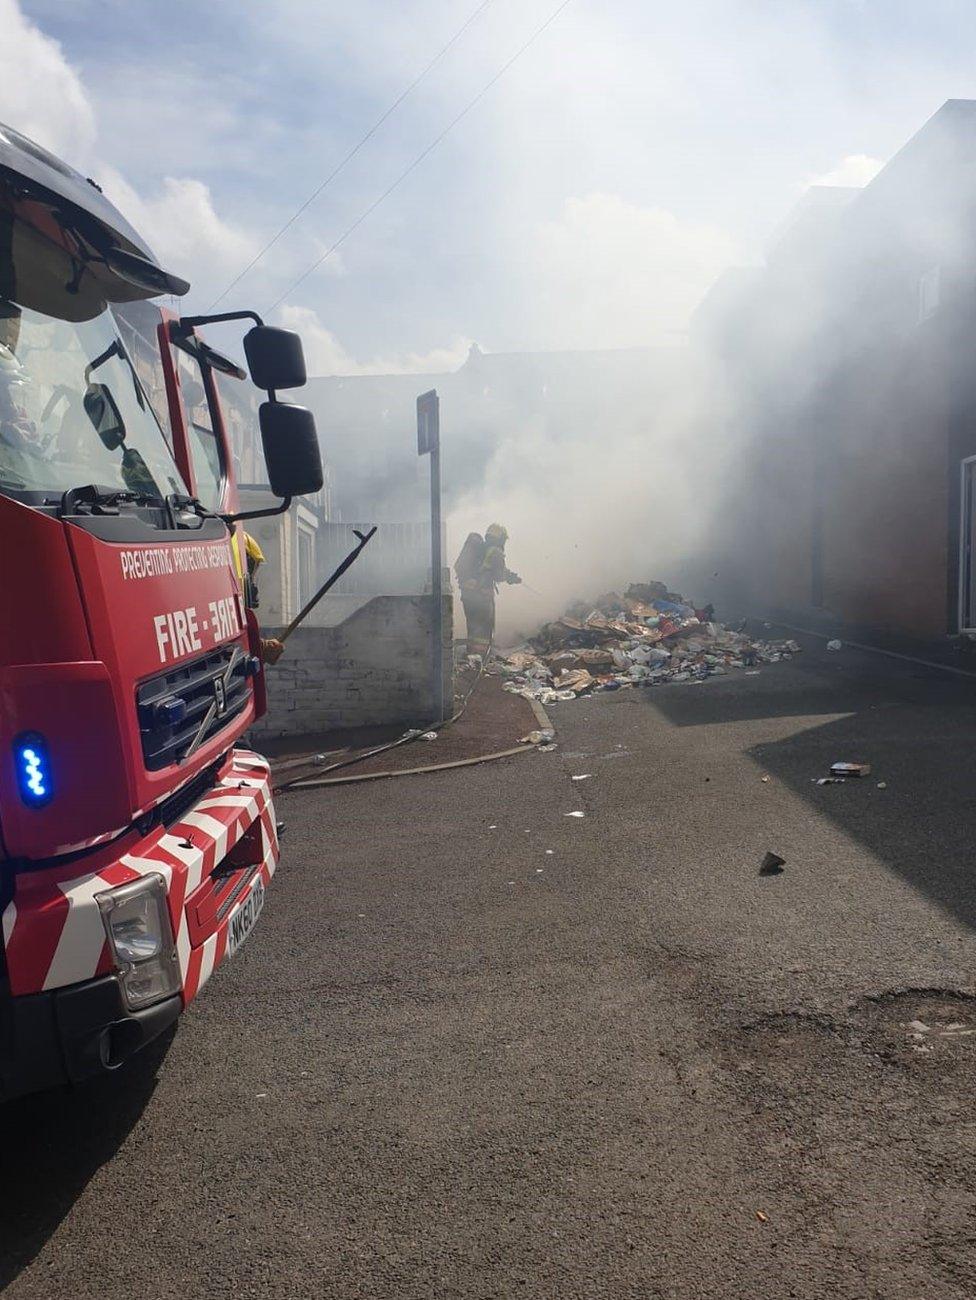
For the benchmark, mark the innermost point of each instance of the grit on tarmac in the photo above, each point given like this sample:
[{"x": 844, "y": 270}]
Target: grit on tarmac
[{"x": 478, "y": 1048}]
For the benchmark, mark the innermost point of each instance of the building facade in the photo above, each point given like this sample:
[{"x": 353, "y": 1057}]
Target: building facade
[{"x": 851, "y": 398}]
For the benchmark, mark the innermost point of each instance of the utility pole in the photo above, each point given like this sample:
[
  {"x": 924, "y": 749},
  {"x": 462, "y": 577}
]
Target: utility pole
[{"x": 429, "y": 444}]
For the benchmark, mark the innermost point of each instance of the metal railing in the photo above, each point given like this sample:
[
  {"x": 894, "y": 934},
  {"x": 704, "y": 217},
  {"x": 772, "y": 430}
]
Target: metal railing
[{"x": 396, "y": 562}]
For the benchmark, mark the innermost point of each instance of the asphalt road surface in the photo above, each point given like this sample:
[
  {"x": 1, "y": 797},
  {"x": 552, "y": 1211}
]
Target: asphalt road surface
[{"x": 477, "y": 1047}]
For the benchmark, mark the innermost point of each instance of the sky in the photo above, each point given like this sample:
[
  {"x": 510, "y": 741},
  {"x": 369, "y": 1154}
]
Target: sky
[{"x": 633, "y": 152}]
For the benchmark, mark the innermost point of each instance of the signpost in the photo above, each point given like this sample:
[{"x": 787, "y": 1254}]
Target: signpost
[{"x": 429, "y": 444}]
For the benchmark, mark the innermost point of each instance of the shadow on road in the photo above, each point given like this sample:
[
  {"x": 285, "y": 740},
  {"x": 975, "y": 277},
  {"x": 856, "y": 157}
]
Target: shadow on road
[
  {"x": 52, "y": 1143},
  {"x": 915, "y": 726}
]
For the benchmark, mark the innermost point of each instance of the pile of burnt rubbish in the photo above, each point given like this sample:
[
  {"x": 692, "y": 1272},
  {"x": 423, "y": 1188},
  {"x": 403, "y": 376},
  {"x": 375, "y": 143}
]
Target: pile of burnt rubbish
[{"x": 647, "y": 637}]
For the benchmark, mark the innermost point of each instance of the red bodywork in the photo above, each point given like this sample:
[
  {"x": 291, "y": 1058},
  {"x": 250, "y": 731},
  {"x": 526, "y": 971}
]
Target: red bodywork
[
  {"x": 79, "y": 632},
  {"x": 83, "y": 622}
]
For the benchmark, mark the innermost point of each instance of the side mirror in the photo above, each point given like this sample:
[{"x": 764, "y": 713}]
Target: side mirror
[
  {"x": 103, "y": 411},
  {"x": 291, "y": 448},
  {"x": 275, "y": 358}
]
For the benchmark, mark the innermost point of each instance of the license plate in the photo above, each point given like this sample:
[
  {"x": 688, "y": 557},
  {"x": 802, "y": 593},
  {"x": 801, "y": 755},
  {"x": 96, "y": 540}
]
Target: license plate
[{"x": 244, "y": 916}]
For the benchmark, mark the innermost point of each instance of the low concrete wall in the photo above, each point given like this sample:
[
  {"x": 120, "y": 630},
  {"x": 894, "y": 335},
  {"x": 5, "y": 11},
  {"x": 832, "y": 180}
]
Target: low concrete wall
[{"x": 372, "y": 669}]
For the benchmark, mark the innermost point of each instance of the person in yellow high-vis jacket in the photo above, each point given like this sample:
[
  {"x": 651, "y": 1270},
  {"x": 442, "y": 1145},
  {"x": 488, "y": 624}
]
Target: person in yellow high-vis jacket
[{"x": 271, "y": 648}]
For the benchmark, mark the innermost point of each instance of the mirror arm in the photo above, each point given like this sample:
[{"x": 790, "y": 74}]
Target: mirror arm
[
  {"x": 186, "y": 323},
  {"x": 114, "y": 349},
  {"x": 258, "y": 514}
]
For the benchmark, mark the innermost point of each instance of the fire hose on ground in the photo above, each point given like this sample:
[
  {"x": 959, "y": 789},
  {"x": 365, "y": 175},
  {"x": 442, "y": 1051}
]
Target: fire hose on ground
[{"x": 307, "y": 782}]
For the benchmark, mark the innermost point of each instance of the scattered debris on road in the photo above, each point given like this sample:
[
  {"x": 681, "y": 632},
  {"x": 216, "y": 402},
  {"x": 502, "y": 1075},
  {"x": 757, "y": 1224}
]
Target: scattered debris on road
[
  {"x": 772, "y": 865},
  {"x": 544, "y": 737},
  {"x": 428, "y": 735},
  {"x": 763, "y": 1218},
  {"x": 841, "y": 773},
  {"x": 574, "y": 814},
  {"x": 646, "y": 637},
  {"x": 850, "y": 769},
  {"x": 921, "y": 1033},
  {"x": 835, "y": 645},
  {"x": 584, "y": 776}
]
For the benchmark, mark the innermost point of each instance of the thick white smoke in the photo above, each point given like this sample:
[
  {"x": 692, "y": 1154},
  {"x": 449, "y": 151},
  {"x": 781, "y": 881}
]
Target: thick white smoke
[{"x": 623, "y": 496}]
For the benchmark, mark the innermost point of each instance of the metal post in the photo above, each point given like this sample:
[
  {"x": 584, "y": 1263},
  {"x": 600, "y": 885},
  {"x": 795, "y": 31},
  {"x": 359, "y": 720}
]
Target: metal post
[
  {"x": 437, "y": 571},
  {"x": 429, "y": 444}
]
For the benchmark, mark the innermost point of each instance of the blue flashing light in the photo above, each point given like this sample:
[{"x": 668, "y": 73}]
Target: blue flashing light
[{"x": 33, "y": 769}]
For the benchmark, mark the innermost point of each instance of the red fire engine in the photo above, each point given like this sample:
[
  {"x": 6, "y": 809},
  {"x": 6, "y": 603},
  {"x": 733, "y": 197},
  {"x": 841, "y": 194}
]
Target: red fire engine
[{"x": 136, "y": 837}]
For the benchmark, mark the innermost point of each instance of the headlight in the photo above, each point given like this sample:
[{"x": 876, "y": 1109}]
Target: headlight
[{"x": 136, "y": 921}]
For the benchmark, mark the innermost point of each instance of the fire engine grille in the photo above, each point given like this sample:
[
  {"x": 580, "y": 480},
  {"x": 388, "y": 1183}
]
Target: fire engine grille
[{"x": 167, "y": 729}]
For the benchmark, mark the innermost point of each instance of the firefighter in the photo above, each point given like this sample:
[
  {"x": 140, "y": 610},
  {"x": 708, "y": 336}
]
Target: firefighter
[
  {"x": 479, "y": 569},
  {"x": 17, "y": 430},
  {"x": 271, "y": 648}
]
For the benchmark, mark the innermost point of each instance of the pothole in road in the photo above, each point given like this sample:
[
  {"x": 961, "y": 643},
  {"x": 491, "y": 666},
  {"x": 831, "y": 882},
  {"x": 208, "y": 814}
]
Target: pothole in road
[
  {"x": 789, "y": 1042},
  {"x": 903, "y": 1027},
  {"x": 920, "y": 1022}
]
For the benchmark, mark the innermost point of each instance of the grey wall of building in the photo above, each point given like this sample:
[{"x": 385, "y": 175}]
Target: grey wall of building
[
  {"x": 373, "y": 668},
  {"x": 851, "y": 404}
]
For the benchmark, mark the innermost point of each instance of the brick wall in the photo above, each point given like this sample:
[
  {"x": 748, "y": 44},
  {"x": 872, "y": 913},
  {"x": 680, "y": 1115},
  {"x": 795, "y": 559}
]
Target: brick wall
[{"x": 372, "y": 668}]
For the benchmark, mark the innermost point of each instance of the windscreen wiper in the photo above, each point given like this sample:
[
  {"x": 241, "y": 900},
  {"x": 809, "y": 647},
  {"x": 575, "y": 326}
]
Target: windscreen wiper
[
  {"x": 180, "y": 504},
  {"x": 93, "y": 499},
  {"x": 203, "y": 353}
]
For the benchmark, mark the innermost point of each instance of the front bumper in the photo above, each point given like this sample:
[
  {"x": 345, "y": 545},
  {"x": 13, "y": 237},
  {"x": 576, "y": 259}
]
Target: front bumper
[
  {"x": 53, "y": 933},
  {"x": 69, "y": 1035}
]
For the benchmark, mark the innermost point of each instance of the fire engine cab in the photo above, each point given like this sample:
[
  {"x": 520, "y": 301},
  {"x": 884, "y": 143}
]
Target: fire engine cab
[{"x": 137, "y": 836}]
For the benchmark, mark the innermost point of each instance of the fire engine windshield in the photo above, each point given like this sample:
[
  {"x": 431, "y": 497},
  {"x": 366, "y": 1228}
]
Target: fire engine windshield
[{"x": 72, "y": 411}]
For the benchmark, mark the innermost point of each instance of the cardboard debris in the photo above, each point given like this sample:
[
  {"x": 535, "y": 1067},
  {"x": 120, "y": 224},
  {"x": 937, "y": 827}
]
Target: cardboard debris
[
  {"x": 521, "y": 660},
  {"x": 647, "y": 637},
  {"x": 576, "y": 680},
  {"x": 595, "y": 659}
]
